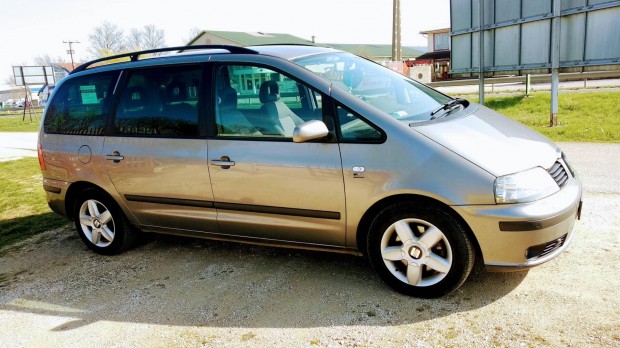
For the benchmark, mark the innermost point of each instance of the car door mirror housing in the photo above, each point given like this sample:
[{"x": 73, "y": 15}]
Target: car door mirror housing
[{"x": 310, "y": 130}]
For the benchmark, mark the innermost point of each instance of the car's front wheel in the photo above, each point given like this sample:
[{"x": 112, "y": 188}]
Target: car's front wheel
[
  {"x": 101, "y": 224},
  {"x": 420, "y": 250}
]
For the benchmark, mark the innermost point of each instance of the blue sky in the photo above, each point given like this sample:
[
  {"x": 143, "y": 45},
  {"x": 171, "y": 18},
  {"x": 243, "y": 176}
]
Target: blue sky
[{"x": 46, "y": 24}]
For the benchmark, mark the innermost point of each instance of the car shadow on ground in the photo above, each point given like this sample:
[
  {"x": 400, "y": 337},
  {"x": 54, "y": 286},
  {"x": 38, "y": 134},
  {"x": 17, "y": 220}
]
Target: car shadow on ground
[{"x": 188, "y": 282}]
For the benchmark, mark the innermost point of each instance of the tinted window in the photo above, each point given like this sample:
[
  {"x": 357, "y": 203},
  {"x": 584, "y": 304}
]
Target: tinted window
[
  {"x": 81, "y": 105},
  {"x": 253, "y": 101},
  {"x": 159, "y": 102}
]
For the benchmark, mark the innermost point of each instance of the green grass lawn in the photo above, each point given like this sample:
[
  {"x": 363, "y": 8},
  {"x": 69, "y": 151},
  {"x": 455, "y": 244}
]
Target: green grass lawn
[
  {"x": 23, "y": 209},
  {"x": 14, "y": 122},
  {"x": 582, "y": 117}
]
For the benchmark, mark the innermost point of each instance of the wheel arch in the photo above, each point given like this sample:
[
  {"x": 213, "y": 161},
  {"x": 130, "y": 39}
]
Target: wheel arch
[
  {"x": 73, "y": 193},
  {"x": 363, "y": 228}
]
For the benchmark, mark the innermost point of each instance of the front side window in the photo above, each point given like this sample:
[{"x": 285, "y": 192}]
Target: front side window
[
  {"x": 390, "y": 92},
  {"x": 81, "y": 105},
  {"x": 354, "y": 129},
  {"x": 257, "y": 102},
  {"x": 159, "y": 102}
]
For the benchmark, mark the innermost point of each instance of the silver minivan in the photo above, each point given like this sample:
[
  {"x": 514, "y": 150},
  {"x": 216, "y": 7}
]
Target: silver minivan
[{"x": 303, "y": 147}]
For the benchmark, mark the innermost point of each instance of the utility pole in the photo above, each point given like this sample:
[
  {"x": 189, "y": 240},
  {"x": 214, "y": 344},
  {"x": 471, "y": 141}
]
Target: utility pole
[
  {"x": 71, "y": 51},
  {"x": 481, "y": 52},
  {"x": 397, "y": 50}
]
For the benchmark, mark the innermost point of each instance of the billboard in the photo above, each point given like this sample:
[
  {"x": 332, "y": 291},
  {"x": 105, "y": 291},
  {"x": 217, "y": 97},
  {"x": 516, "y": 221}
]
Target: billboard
[
  {"x": 517, "y": 34},
  {"x": 33, "y": 75}
]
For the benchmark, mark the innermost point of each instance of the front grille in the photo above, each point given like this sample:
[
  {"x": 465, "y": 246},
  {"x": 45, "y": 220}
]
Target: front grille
[
  {"x": 542, "y": 250},
  {"x": 558, "y": 173}
]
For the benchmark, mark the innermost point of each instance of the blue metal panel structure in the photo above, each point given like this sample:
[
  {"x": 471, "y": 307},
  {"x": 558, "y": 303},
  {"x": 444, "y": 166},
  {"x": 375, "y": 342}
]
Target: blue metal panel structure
[{"x": 517, "y": 34}]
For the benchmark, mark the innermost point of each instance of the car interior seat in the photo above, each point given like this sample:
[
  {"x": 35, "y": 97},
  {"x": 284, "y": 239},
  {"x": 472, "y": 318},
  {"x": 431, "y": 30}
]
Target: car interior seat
[
  {"x": 280, "y": 116},
  {"x": 231, "y": 121}
]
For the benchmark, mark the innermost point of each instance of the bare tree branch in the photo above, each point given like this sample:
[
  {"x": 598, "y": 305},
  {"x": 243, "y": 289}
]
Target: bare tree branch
[
  {"x": 153, "y": 37},
  {"x": 106, "y": 39},
  {"x": 135, "y": 40},
  {"x": 193, "y": 32}
]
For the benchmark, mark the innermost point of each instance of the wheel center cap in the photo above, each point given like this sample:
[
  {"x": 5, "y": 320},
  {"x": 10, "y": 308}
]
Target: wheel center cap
[
  {"x": 415, "y": 252},
  {"x": 97, "y": 224}
]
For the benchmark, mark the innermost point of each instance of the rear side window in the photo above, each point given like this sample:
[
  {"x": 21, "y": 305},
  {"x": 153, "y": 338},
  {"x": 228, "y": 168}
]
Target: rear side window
[
  {"x": 81, "y": 105},
  {"x": 161, "y": 102}
]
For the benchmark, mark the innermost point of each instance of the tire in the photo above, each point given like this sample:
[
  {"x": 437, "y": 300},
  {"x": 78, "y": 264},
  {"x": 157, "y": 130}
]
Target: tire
[
  {"x": 101, "y": 224},
  {"x": 420, "y": 250}
]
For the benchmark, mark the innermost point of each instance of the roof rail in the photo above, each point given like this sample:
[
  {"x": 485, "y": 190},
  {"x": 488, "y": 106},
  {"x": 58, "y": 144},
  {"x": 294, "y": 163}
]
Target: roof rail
[{"x": 134, "y": 56}]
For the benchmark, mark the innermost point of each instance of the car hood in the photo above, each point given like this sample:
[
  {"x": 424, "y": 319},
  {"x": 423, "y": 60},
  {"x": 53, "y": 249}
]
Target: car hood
[{"x": 491, "y": 141}]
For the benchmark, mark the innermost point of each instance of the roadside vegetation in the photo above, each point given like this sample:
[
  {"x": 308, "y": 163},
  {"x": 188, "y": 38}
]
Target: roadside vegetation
[
  {"x": 23, "y": 209},
  {"x": 582, "y": 117},
  {"x": 13, "y": 121}
]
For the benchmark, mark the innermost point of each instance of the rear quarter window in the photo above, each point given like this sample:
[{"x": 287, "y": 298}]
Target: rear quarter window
[{"x": 81, "y": 105}]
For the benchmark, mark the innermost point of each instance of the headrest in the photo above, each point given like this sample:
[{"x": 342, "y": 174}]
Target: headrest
[
  {"x": 269, "y": 91},
  {"x": 227, "y": 98},
  {"x": 134, "y": 96},
  {"x": 176, "y": 91}
]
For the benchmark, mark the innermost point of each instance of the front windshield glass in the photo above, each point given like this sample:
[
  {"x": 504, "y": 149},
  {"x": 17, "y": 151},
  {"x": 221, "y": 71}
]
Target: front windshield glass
[{"x": 389, "y": 91}]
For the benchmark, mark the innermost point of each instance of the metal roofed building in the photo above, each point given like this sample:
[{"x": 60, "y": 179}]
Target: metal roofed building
[
  {"x": 380, "y": 53},
  {"x": 435, "y": 64}
]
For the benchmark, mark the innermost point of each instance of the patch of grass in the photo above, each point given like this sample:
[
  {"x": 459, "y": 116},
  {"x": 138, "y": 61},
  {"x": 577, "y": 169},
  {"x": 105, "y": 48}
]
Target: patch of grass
[
  {"x": 12, "y": 122},
  {"x": 23, "y": 209},
  {"x": 582, "y": 117}
]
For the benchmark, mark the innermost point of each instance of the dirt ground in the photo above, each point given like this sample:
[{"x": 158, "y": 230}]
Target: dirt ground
[{"x": 172, "y": 291}]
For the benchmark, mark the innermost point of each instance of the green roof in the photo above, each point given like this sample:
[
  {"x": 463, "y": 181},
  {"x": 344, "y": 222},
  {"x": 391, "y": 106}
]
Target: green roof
[
  {"x": 258, "y": 38},
  {"x": 374, "y": 51}
]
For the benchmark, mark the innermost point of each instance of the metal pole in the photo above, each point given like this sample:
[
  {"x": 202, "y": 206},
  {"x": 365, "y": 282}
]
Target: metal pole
[
  {"x": 397, "y": 52},
  {"x": 481, "y": 52},
  {"x": 555, "y": 62},
  {"x": 71, "y": 51},
  {"x": 528, "y": 84}
]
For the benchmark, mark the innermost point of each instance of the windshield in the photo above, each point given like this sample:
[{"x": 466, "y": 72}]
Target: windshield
[{"x": 389, "y": 91}]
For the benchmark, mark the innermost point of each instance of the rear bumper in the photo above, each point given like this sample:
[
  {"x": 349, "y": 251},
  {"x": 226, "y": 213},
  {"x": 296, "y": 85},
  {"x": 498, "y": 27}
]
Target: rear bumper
[
  {"x": 56, "y": 191},
  {"x": 520, "y": 236}
]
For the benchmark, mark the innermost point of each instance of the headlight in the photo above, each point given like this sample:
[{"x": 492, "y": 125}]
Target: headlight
[{"x": 527, "y": 186}]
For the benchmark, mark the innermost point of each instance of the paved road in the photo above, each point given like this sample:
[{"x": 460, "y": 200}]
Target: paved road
[{"x": 14, "y": 146}]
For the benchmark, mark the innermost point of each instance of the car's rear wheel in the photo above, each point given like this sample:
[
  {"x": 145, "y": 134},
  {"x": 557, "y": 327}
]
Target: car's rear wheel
[
  {"x": 420, "y": 250},
  {"x": 101, "y": 224}
]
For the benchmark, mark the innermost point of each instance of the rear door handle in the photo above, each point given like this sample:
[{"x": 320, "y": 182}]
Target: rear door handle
[
  {"x": 223, "y": 162},
  {"x": 115, "y": 156}
]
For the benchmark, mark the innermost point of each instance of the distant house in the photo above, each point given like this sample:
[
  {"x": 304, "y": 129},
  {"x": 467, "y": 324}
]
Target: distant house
[
  {"x": 435, "y": 64},
  {"x": 236, "y": 38},
  {"x": 378, "y": 53}
]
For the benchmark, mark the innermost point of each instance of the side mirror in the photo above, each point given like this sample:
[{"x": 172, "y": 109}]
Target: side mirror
[{"x": 310, "y": 130}]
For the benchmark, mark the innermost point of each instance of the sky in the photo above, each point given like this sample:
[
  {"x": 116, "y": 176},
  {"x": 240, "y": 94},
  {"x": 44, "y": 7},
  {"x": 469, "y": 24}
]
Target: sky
[{"x": 45, "y": 24}]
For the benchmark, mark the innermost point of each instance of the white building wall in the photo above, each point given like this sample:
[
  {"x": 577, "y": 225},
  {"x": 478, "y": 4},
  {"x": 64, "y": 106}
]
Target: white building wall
[{"x": 421, "y": 73}]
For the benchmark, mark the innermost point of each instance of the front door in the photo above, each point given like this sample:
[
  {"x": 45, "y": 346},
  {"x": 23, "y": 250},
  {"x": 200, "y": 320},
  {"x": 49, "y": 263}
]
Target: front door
[{"x": 266, "y": 186}]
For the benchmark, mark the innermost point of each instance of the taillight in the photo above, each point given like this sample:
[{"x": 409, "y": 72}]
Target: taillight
[{"x": 41, "y": 159}]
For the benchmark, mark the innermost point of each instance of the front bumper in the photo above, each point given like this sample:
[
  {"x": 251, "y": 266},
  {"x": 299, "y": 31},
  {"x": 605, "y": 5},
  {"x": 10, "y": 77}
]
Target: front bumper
[{"x": 521, "y": 236}]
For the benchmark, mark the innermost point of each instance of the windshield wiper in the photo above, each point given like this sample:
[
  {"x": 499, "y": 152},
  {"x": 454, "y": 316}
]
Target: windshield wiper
[{"x": 449, "y": 106}]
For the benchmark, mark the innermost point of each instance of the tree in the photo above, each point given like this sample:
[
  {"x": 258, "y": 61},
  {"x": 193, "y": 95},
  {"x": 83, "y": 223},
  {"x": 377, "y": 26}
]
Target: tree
[
  {"x": 193, "y": 32},
  {"x": 106, "y": 39},
  {"x": 47, "y": 60},
  {"x": 153, "y": 37},
  {"x": 135, "y": 40}
]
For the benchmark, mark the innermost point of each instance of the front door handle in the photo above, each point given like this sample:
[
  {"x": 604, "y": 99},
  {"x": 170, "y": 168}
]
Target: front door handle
[
  {"x": 115, "y": 156},
  {"x": 223, "y": 162}
]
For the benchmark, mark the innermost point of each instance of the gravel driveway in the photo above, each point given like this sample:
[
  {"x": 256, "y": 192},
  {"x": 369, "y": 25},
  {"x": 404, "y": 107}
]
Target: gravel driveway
[{"x": 183, "y": 292}]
